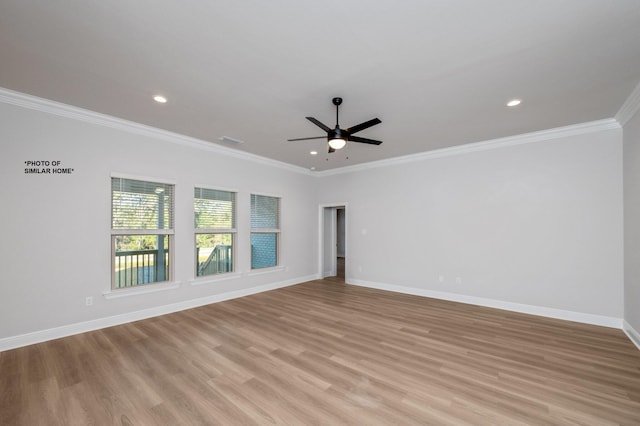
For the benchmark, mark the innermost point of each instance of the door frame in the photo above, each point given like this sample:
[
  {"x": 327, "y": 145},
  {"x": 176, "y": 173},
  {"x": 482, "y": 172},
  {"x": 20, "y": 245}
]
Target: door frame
[{"x": 330, "y": 235}]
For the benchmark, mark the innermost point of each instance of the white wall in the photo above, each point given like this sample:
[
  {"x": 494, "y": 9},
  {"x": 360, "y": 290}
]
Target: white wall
[
  {"x": 632, "y": 223},
  {"x": 538, "y": 224},
  {"x": 55, "y": 245},
  {"x": 328, "y": 244}
]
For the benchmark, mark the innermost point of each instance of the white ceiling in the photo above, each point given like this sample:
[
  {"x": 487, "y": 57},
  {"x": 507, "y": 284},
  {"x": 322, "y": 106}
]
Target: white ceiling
[{"x": 437, "y": 73}]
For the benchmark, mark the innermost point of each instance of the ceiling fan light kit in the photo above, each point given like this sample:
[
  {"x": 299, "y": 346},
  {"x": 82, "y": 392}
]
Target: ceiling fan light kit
[
  {"x": 337, "y": 138},
  {"x": 337, "y": 143}
]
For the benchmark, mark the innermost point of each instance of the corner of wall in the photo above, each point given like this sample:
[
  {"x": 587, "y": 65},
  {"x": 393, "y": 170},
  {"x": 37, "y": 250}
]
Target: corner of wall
[
  {"x": 632, "y": 333},
  {"x": 630, "y": 107}
]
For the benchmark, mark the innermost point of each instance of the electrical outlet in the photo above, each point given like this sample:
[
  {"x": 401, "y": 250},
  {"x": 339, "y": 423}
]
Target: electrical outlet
[
  {"x": 458, "y": 280},
  {"x": 441, "y": 278},
  {"x": 88, "y": 301}
]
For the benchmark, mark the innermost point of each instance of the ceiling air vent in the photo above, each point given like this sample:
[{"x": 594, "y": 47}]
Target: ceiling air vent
[{"x": 231, "y": 140}]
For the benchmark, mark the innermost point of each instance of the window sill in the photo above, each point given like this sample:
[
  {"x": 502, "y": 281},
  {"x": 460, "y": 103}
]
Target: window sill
[
  {"x": 134, "y": 291},
  {"x": 266, "y": 270},
  {"x": 211, "y": 279}
]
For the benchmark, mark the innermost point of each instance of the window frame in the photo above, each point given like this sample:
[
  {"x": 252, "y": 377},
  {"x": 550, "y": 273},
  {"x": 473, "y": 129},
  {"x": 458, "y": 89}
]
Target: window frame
[
  {"x": 277, "y": 231},
  {"x": 168, "y": 232},
  {"x": 213, "y": 231}
]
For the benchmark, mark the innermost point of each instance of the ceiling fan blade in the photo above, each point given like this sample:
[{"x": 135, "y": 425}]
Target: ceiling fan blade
[
  {"x": 331, "y": 150},
  {"x": 306, "y": 139},
  {"x": 319, "y": 124},
  {"x": 364, "y": 140},
  {"x": 362, "y": 126}
]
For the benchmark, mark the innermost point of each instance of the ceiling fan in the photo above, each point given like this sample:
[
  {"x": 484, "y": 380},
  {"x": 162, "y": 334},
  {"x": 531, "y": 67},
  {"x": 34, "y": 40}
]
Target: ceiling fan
[{"x": 337, "y": 137}]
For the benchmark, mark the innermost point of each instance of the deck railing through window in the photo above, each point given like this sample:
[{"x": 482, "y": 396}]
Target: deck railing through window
[
  {"x": 218, "y": 261},
  {"x": 138, "y": 267}
]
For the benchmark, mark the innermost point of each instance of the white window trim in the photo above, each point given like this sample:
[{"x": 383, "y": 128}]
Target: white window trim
[
  {"x": 278, "y": 266},
  {"x": 143, "y": 289},
  {"x": 264, "y": 230},
  {"x": 150, "y": 287},
  {"x": 217, "y": 188},
  {"x": 269, "y": 270},
  {"x": 115, "y": 232},
  {"x": 205, "y": 279},
  {"x": 143, "y": 178},
  {"x": 214, "y": 278}
]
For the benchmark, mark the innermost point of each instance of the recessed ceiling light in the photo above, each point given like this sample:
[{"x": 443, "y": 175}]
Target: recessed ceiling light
[
  {"x": 514, "y": 102},
  {"x": 160, "y": 99},
  {"x": 314, "y": 153},
  {"x": 313, "y": 168}
]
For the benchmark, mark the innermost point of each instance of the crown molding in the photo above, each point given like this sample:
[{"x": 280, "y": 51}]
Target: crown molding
[
  {"x": 68, "y": 111},
  {"x": 23, "y": 100},
  {"x": 543, "y": 135},
  {"x": 630, "y": 107}
]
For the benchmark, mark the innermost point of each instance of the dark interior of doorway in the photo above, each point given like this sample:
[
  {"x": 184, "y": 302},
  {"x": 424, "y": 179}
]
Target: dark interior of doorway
[{"x": 340, "y": 267}]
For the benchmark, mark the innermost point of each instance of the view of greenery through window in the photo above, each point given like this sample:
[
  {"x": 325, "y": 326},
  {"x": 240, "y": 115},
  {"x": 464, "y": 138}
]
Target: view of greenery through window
[
  {"x": 142, "y": 231},
  {"x": 139, "y": 211},
  {"x": 214, "y": 213}
]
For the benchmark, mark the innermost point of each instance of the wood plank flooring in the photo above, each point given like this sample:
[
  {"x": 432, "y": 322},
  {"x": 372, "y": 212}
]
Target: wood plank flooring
[{"x": 327, "y": 353}]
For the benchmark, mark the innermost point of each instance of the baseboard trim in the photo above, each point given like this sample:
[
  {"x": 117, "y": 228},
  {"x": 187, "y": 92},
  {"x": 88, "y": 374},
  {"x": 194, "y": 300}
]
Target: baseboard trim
[
  {"x": 13, "y": 342},
  {"x": 631, "y": 333},
  {"x": 542, "y": 311}
]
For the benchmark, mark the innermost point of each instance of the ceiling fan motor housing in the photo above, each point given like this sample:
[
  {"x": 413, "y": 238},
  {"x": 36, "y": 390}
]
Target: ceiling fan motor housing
[{"x": 338, "y": 133}]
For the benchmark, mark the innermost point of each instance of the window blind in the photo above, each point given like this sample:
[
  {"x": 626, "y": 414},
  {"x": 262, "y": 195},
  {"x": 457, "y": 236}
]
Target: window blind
[
  {"x": 137, "y": 204},
  {"x": 265, "y": 212},
  {"x": 214, "y": 209}
]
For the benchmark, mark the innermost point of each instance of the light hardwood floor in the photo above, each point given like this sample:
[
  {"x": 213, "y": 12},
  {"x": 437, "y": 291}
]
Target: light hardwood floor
[{"x": 327, "y": 353}]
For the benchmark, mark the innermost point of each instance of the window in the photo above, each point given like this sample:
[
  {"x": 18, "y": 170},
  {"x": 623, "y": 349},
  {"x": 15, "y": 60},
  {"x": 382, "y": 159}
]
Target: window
[
  {"x": 265, "y": 231},
  {"x": 215, "y": 223},
  {"x": 141, "y": 232}
]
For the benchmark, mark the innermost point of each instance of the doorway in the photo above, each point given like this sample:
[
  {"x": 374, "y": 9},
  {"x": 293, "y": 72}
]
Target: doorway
[
  {"x": 333, "y": 250},
  {"x": 340, "y": 246}
]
